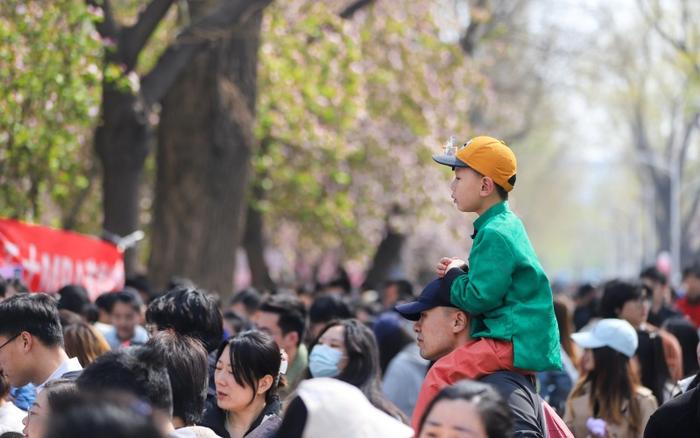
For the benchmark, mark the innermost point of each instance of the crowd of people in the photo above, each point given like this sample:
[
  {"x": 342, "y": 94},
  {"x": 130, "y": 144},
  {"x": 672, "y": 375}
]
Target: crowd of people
[
  {"x": 183, "y": 364},
  {"x": 486, "y": 349}
]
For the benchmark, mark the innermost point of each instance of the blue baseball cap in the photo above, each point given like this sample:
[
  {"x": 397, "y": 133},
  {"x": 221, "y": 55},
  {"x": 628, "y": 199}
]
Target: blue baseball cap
[{"x": 435, "y": 294}]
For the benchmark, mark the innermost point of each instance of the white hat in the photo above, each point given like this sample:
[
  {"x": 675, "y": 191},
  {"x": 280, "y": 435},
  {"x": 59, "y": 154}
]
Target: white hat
[
  {"x": 338, "y": 409},
  {"x": 617, "y": 334}
]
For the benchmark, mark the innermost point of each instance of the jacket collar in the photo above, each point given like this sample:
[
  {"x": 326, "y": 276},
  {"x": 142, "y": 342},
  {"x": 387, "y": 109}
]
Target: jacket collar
[{"x": 495, "y": 210}]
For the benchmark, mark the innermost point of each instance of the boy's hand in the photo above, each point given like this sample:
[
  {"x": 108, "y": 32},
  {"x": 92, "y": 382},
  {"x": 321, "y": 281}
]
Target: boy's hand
[{"x": 447, "y": 263}]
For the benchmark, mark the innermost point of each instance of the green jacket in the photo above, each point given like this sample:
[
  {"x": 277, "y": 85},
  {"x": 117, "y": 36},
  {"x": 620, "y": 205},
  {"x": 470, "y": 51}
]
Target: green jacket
[{"x": 506, "y": 291}]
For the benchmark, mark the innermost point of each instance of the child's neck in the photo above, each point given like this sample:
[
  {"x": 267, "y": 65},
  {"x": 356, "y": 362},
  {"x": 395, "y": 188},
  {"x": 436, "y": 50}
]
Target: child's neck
[{"x": 487, "y": 204}]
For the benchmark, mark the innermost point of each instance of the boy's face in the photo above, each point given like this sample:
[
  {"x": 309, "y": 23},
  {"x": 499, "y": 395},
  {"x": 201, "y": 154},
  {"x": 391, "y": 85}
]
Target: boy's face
[
  {"x": 467, "y": 190},
  {"x": 124, "y": 320}
]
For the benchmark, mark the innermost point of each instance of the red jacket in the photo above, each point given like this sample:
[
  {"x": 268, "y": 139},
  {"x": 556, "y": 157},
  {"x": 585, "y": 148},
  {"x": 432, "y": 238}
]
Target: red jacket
[{"x": 692, "y": 311}]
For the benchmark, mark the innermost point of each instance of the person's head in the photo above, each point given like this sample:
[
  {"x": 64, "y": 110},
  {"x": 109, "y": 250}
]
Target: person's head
[
  {"x": 585, "y": 293},
  {"x": 66, "y": 317},
  {"x": 190, "y": 312},
  {"x": 284, "y": 318},
  {"x": 691, "y": 281},
  {"x": 485, "y": 171},
  {"x": 235, "y": 323},
  {"x": 657, "y": 282},
  {"x": 441, "y": 327},
  {"x": 12, "y": 286},
  {"x": 625, "y": 300},
  {"x": 395, "y": 291},
  {"x": 84, "y": 342},
  {"x": 607, "y": 368},
  {"x": 140, "y": 283},
  {"x": 391, "y": 337},
  {"x": 73, "y": 297},
  {"x": 687, "y": 336},
  {"x": 126, "y": 313},
  {"x": 186, "y": 361},
  {"x": 324, "y": 309},
  {"x": 467, "y": 408},
  {"x": 104, "y": 415},
  {"x": 46, "y": 403},
  {"x": 29, "y": 328},
  {"x": 104, "y": 304},
  {"x": 247, "y": 371},
  {"x": 246, "y": 302},
  {"x": 137, "y": 370}
]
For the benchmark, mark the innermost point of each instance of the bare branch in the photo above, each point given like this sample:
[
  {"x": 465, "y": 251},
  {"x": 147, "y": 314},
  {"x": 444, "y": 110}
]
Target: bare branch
[
  {"x": 223, "y": 20},
  {"x": 353, "y": 7},
  {"x": 133, "y": 38},
  {"x": 474, "y": 32},
  {"x": 108, "y": 27}
]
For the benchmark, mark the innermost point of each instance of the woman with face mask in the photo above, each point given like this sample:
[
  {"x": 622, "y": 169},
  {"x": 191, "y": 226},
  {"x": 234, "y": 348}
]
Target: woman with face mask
[
  {"x": 247, "y": 377},
  {"x": 347, "y": 351}
]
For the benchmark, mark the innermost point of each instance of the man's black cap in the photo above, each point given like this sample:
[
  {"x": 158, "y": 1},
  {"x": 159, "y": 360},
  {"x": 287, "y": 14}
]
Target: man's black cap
[{"x": 435, "y": 294}]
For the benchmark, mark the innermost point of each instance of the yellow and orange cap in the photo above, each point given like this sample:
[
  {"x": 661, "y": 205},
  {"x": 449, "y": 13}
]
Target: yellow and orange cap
[{"x": 488, "y": 156}]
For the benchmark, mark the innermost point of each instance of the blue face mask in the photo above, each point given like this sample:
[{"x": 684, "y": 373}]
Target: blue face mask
[{"x": 323, "y": 361}]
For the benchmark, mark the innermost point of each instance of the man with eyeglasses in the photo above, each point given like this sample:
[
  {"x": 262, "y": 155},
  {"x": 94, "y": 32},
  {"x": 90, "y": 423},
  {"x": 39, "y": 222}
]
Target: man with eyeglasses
[{"x": 31, "y": 342}]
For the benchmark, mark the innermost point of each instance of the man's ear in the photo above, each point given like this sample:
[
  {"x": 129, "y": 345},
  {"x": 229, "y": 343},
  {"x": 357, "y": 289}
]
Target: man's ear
[
  {"x": 460, "y": 322},
  {"x": 265, "y": 383},
  {"x": 27, "y": 341}
]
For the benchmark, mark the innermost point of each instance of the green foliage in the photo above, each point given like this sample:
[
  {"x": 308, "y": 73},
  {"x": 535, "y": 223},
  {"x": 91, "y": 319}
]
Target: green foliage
[{"x": 49, "y": 96}]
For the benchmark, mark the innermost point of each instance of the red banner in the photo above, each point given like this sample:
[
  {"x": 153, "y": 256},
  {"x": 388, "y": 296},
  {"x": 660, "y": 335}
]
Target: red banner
[{"x": 47, "y": 259}]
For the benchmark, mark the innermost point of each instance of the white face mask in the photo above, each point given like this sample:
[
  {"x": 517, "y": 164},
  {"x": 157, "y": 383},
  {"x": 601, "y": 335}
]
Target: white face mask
[{"x": 323, "y": 361}]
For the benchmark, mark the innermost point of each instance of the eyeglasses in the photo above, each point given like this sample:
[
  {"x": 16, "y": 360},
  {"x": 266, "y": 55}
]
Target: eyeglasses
[{"x": 9, "y": 340}]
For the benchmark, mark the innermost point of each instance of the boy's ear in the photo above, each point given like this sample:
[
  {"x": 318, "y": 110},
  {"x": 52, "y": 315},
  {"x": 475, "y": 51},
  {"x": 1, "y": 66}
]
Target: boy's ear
[{"x": 487, "y": 186}]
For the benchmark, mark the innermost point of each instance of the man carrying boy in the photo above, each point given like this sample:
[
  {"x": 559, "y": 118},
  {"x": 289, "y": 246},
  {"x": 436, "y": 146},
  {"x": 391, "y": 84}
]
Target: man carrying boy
[{"x": 504, "y": 289}]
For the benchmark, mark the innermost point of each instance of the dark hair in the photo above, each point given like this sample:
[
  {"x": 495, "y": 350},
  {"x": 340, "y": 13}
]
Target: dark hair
[
  {"x": 111, "y": 415},
  {"x": 33, "y": 313},
  {"x": 139, "y": 282},
  {"x": 612, "y": 383},
  {"x": 362, "y": 369},
  {"x": 687, "y": 336},
  {"x": 254, "y": 355},
  {"x": 66, "y": 317},
  {"x": 653, "y": 368},
  {"x": 584, "y": 290},
  {"x": 326, "y": 308},
  {"x": 3, "y": 286},
  {"x": 237, "y": 322},
  {"x": 105, "y": 301},
  {"x": 250, "y": 298},
  {"x": 129, "y": 297},
  {"x": 12, "y": 435},
  {"x": 84, "y": 342},
  {"x": 186, "y": 361},
  {"x": 502, "y": 193},
  {"x": 189, "y": 312},
  {"x": 653, "y": 274},
  {"x": 404, "y": 287},
  {"x": 57, "y": 391},
  {"x": 491, "y": 407},
  {"x": 391, "y": 337},
  {"x": 615, "y": 294},
  {"x": 73, "y": 297},
  {"x": 291, "y": 312},
  {"x": 693, "y": 270},
  {"x": 139, "y": 371}
]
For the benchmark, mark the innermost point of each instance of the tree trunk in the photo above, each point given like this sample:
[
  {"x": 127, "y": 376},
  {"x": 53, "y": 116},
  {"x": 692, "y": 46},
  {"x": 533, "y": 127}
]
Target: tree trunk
[
  {"x": 121, "y": 143},
  {"x": 387, "y": 258},
  {"x": 205, "y": 142},
  {"x": 254, "y": 244}
]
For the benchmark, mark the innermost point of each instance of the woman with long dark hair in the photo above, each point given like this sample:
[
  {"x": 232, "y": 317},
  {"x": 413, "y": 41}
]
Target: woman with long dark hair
[
  {"x": 347, "y": 350},
  {"x": 247, "y": 378},
  {"x": 608, "y": 397}
]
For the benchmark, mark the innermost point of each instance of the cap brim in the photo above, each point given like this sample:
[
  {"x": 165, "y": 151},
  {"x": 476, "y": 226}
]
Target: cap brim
[
  {"x": 587, "y": 340},
  {"x": 412, "y": 310},
  {"x": 449, "y": 160}
]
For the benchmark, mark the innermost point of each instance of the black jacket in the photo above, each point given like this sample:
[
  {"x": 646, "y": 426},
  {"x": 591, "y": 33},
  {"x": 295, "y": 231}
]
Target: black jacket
[
  {"x": 679, "y": 417},
  {"x": 263, "y": 427}
]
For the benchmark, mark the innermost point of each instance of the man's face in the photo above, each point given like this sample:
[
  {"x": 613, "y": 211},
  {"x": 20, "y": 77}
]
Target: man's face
[
  {"x": 268, "y": 322},
  {"x": 390, "y": 296},
  {"x": 435, "y": 332},
  {"x": 466, "y": 189},
  {"x": 124, "y": 320},
  {"x": 11, "y": 360}
]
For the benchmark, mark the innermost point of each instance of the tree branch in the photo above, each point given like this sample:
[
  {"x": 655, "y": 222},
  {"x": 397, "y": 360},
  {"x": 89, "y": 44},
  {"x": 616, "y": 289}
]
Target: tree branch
[
  {"x": 133, "y": 38},
  {"x": 474, "y": 32},
  {"x": 108, "y": 27},
  {"x": 353, "y": 7},
  {"x": 223, "y": 20}
]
